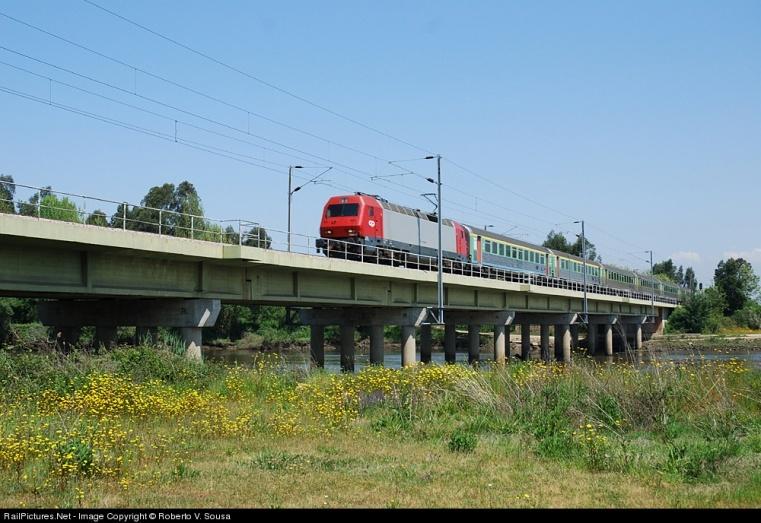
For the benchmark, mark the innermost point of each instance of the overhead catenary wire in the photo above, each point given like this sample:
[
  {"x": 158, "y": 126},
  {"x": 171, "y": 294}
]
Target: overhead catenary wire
[
  {"x": 255, "y": 78},
  {"x": 229, "y": 104},
  {"x": 293, "y": 128},
  {"x": 248, "y": 111},
  {"x": 226, "y": 153},
  {"x": 174, "y": 108},
  {"x": 302, "y": 99},
  {"x": 136, "y": 128},
  {"x": 232, "y": 155},
  {"x": 345, "y": 168},
  {"x": 289, "y": 93}
]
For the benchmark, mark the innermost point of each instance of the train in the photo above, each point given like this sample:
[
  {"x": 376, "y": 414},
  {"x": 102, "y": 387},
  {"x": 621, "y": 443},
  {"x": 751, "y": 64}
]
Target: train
[{"x": 370, "y": 228}]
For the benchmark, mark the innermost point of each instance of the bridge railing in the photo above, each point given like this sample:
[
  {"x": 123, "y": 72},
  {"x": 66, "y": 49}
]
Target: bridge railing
[{"x": 44, "y": 203}]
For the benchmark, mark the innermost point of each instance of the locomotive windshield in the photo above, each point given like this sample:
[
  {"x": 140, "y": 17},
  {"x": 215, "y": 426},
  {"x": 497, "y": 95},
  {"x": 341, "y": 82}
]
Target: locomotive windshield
[{"x": 343, "y": 209}]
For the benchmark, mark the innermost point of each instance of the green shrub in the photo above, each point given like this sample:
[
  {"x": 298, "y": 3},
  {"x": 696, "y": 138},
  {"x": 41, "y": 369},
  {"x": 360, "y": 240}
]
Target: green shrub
[
  {"x": 749, "y": 316},
  {"x": 461, "y": 441},
  {"x": 698, "y": 460},
  {"x": 29, "y": 334},
  {"x": 78, "y": 455}
]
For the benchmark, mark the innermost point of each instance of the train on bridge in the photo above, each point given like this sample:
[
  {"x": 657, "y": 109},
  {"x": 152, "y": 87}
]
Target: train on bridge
[{"x": 369, "y": 228}]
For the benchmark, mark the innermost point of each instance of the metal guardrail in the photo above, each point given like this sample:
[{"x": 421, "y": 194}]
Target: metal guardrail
[{"x": 249, "y": 233}]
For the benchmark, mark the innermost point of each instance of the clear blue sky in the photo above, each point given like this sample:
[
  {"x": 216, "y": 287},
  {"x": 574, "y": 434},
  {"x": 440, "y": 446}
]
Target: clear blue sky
[{"x": 643, "y": 118}]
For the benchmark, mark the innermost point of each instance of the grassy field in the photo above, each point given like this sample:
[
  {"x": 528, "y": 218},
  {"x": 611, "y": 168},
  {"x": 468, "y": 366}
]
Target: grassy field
[{"x": 140, "y": 427}]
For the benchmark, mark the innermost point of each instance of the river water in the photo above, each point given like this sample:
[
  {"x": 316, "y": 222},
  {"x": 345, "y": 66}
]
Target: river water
[{"x": 393, "y": 359}]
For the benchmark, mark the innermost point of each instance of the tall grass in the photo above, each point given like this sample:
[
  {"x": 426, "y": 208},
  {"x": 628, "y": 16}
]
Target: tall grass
[{"x": 130, "y": 416}]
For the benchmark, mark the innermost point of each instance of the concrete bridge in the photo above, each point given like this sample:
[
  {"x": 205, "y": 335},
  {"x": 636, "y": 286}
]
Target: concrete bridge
[{"x": 108, "y": 277}]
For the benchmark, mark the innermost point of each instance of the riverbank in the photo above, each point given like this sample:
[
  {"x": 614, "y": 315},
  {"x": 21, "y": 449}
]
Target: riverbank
[
  {"x": 139, "y": 427},
  {"x": 697, "y": 342}
]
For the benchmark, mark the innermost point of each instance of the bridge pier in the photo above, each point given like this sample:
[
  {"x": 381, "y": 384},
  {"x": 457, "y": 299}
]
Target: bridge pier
[
  {"x": 525, "y": 341},
  {"x": 450, "y": 342},
  {"x": 563, "y": 342},
  {"x": 499, "y": 343},
  {"x": 317, "y": 345},
  {"x": 608, "y": 332},
  {"x": 349, "y": 318},
  {"x": 633, "y": 327},
  {"x": 562, "y": 323},
  {"x": 474, "y": 343},
  {"x": 347, "y": 347},
  {"x": 544, "y": 342},
  {"x": 501, "y": 320},
  {"x": 377, "y": 342},
  {"x": 409, "y": 351},
  {"x": 105, "y": 337},
  {"x": 575, "y": 336},
  {"x": 606, "y": 321},
  {"x": 592, "y": 338},
  {"x": 193, "y": 339},
  {"x": 189, "y": 315},
  {"x": 426, "y": 343}
]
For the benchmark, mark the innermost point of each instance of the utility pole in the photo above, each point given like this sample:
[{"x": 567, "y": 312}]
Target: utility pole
[
  {"x": 652, "y": 290},
  {"x": 440, "y": 293},
  {"x": 441, "y": 258},
  {"x": 290, "y": 195},
  {"x": 584, "y": 261}
]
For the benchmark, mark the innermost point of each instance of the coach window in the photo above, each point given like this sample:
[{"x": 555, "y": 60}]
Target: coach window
[{"x": 371, "y": 211}]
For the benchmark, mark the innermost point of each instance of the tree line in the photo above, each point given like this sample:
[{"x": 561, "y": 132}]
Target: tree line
[{"x": 732, "y": 302}]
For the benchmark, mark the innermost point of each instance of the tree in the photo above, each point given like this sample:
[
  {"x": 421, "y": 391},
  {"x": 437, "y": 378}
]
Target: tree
[
  {"x": 177, "y": 210},
  {"x": 667, "y": 269},
  {"x": 50, "y": 207},
  {"x": 258, "y": 237},
  {"x": 591, "y": 252},
  {"x": 147, "y": 217},
  {"x": 749, "y": 316},
  {"x": 557, "y": 242},
  {"x": 737, "y": 282},
  {"x": 7, "y": 194},
  {"x": 679, "y": 277},
  {"x": 689, "y": 280},
  {"x": 698, "y": 313},
  {"x": 30, "y": 208},
  {"x": 187, "y": 203},
  {"x": 98, "y": 218},
  {"x": 15, "y": 310}
]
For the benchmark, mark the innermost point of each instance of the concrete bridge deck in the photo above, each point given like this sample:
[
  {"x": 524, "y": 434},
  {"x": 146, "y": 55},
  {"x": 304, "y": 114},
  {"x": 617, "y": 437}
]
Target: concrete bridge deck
[{"x": 86, "y": 263}]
